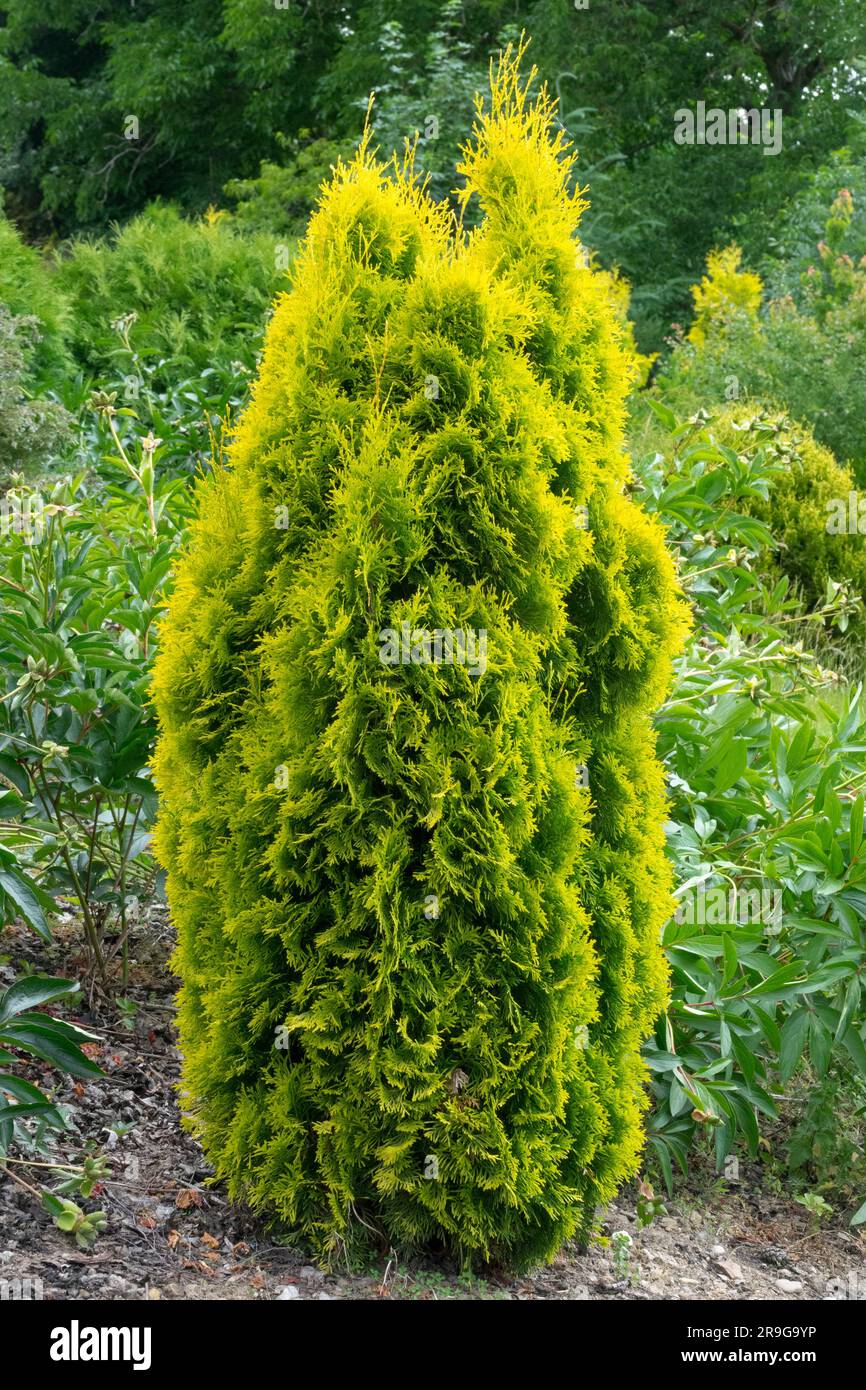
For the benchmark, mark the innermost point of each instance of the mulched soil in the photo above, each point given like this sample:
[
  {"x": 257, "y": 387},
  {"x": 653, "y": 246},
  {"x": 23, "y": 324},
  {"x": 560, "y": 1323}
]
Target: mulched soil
[{"x": 171, "y": 1235}]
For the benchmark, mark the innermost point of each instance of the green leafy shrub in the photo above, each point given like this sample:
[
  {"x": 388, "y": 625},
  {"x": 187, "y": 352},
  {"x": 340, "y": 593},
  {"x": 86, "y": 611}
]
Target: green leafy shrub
[
  {"x": 802, "y": 355},
  {"x": 199, "y": 290},
  {"x": 29, "y": 289},
  {"x": 803, "y": 225},
  {"x": 32, "y": 429},
  {"x": 84, "y": 570},
  {"x": 282, "y": 196},
  {"x": 807, "y": 501},
  {"x": 814, "y": 373},
  {"x": 834, "y": 280},
  {"x": 764, "y": 754},
  {"x": 417, "y": 952}
]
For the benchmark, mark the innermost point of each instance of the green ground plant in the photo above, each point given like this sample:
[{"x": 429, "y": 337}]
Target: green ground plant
[
  {"x": 85, "y": 565},
  {"x": 27, "y": 1116},
  {"x": 763, "y": 747}
]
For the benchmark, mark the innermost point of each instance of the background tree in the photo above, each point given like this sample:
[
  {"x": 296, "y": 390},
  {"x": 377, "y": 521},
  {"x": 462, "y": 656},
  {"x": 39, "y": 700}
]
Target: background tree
[{"x": 217, "y": 89}]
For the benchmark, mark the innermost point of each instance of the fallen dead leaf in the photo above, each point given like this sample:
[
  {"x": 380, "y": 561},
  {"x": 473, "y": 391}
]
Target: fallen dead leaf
[{"x": 188, "y": 1197}]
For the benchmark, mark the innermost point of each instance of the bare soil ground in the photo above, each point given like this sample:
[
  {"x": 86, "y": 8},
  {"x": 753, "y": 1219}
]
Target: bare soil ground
[{"x": 171, "y": 1235}]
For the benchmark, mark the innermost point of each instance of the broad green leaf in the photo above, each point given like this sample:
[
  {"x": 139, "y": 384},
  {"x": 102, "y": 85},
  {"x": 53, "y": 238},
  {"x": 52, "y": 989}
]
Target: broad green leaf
[
  {"x": 51, "y": 1047},
  {"x": 30, "y": 992},
  {"x": 30, "y": 901},
  {"x": 794, "y": 1033}
]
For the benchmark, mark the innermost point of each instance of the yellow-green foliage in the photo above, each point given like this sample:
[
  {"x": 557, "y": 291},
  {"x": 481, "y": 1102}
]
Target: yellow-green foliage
[
  {"x": 620, "y": 291},
  {"x": 808, "y": 492},
  {"x": 623, "y": 619},
  {"x": 724, "y": 293},
  {"x": 418, "y": 954},
  {"x": 199, "y": 289}
]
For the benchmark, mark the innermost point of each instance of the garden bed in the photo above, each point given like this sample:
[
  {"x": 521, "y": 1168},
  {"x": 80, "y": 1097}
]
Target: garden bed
[{"x": 170, "y": 1234}]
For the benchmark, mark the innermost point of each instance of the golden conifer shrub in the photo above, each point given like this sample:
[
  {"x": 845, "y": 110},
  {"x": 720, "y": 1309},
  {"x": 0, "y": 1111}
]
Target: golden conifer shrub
[
  {"x": 411, "y": 814},
  {"x": 724, "y": 293}
]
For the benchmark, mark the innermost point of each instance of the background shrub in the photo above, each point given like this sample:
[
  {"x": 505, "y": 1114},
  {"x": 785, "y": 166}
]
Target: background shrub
[
  {"x": 29, "y": 290},
  {"x": 762, "y": 746},
  {"x": 799, "y": 355},
  {"x": 32, "y": 429},
  {"x": 805, "y": 490},
  {"x": 280, "y": 198},
  {"x": 199, "y": 290},
  {"x": 726, "y": 292}
]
